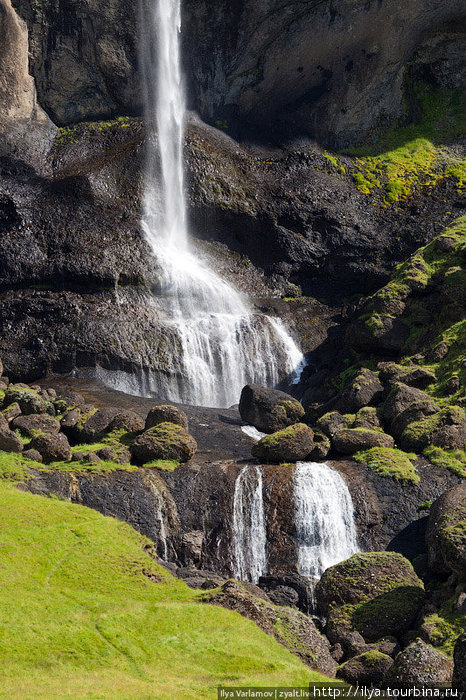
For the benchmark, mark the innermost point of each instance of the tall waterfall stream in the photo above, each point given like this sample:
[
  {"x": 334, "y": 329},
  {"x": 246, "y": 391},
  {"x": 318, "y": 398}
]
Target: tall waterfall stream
[
  {"x": 249, "y": 541},
  {"x": 214, "y": 342}
]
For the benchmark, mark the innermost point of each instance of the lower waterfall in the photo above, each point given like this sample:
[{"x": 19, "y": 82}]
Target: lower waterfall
[
  {"x": 162, "y": 547},
  {"x": 249, "y": 531},
  {"x": 325, "y": 527}
]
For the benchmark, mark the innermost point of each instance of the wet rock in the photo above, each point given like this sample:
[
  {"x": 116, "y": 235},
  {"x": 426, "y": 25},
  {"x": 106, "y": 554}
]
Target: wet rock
[
  {"x": 366, "y": 669},
  {"x": 168, "y": 413},
  {"x": 52, "y": 447},
  {"x": 352, "y": 440},
  {"x": 33, "y": 455},
  {"x": 375, "y": 593},
  {"x": 191, "y": 547},
  {"x": 297, "y": 631},
  {"x": 459, "y": 658},
  {"x": 199, "y": 578},
  {"x": 9, "y": 441},
  {"x": 268, "y": 410},
  {"x": 290, "y": 444},
  {"x": 419, "y": 664},
  {"x": 106, "y": 453},
  {"x": 32, "y": 424},
  {"x": 299, "y": 584},
  {"x": 321, "y": 446},
  {"x": 446, "y": 532},
  {"x": 164, "y": 441},
  {"x": 284, "y": 595}
]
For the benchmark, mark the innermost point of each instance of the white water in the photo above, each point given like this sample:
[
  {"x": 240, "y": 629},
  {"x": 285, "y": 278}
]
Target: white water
[
  {"x": 325, "y": 526},
  {"x": 249, "y": 531},
  {"x": 160, "y": 519},
  {"x": 252, "y": 432},
  {"x": 215, "y": 343}
]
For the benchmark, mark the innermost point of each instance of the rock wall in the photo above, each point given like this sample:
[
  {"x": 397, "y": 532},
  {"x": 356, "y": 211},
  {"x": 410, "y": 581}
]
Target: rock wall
[{"x": 279, "y": 68}]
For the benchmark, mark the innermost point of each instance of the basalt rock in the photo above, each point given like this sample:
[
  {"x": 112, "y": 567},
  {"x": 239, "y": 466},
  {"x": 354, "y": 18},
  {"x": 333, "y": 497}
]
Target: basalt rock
[
  {"x": 27, "y": 399},
  {"x": 352, "y": 440},
  {"x": 52, "y": 447},
  {"x": 164, "y": 441},
  {"x": 9, "y": 441},
  {"x": 420, "y": 664},
  {"x": 162, "y": 414},
  {"x": 296, "y": 442},
  {"x": 32, "y": 424},
  {"x": 459, "y": 671},
  {"x": 268, "y": 410},
  {"x": 366, "y": 669},
  {"x": 446, "y": 532}
]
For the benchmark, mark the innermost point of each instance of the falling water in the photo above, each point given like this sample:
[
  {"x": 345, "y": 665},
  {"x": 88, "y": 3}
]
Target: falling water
[
  {"x": 159, "y": 504},
  {"x": 249, "y": 533},
  {"x": 214, "y": 341},
  {"x": 325, "y": 526}
]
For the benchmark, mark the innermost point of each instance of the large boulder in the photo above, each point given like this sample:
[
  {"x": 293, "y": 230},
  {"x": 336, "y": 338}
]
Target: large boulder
[
  {"x": 9, "y": 441},
  {"x": 164, "y": 441},
  {"x": 364, "y": 389},
  {"x": 405, "y": 405},
  {"x": 353, "y": 440},
  {"x": 289, "y": 626},
  {"x": 166, "y": 413},
  {"x": 36, "y": 423},
  {"x": 446, "y": 532},
  {"x": 54, "y": 447},
  {"x": 446, "y": 428},
  {"x": 367, "y": 668},
  {"x": 375, "y": 593},
  {"x": 459, "y": 658},
  {"x": 27, "y": 399},
  {"x": 268, "y": 410},
  {"x": 126, "y": 420},
  {"x": 419, "y": 664},
  {"x": 333, "y": 422},
  {"x": 291, "y": 444},
  {"x": 97, "y": 424}
]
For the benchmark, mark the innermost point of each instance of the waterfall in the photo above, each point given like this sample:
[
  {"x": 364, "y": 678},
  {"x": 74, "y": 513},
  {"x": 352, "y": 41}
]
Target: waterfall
[
  {"x": 325, "y": 527},
  {"x": 214, "y": 342},
  {"x": 162, "y": 534},
  {"x": 249, "y": 532}
]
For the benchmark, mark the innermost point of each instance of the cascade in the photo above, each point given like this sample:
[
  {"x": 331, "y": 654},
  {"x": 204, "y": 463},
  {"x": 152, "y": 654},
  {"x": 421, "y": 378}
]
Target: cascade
[
  {"x": 325, "y": 527},
  {"x": 249, "y": 531},
  {"x": 159, "y": 517},
  {"x": 213, "y": 342}
]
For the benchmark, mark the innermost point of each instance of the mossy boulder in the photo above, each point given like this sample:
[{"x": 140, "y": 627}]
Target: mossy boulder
[
  {"x": 322, "y": 446},
  {"x": 164, "y": 441},
  {"x": 97, "y": 424},
  {"x": 364, "y": 389},
  {"x": 366, "y": 417},
  {"x": 268, "y": 410},
  {"x": 11, "y": 412},
  {"x": 375, "y": 593},
  {"x": 166, "y": 413},
  {"x": 291, "y": 444},
  {"x": 446, "y": 532},
  {"x": 420, "y": 664},
  {"x": 28, "y": 400},
  {"x": 36, "y": 423},
  {"x": 53, "y": 447},
  {"x": 446, "y": 429},
  {"x": 404, "y": 405},
  {"x": 353, "y": 440},
  {"x": 332, "y": 422},
  {"x": 126, "y": 420},
  {"x": 411, "y": 375},
  {"x": 367, "y": 669},
  {"x": 67, "y": 400}
]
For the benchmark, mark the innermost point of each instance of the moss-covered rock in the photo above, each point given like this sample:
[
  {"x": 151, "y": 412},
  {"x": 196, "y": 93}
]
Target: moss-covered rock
[
  {"x": 404, "y": 405},
  {"x": 288, "y": 445},
  {"x": 27, "y": 399},
  {"x": 321, "y": 446},
  {"x": 36, "y": 423},
  {"x": 376, "y": 593},
  {"x": 420, "y": 664},
  {"x": 442, "y": 628},
  {"x": 332, "y": 422},
  {"x": 164, "y": 413},
  {"x": 164, "y": 441},
  {"x": 353, "y": 440},
  {"x": 367, "y": 669},
  {"x": 390, "y": 462},
  {"x": 366, "y": 417},
  {"x": 459, "y": 656},
  {"x": 268, "y": 410},
  {"x": 53, "y": 447},
  {"x": 447, "y": 429},
  {"x": 446, "y": 532},
  {"x": 454, "y": 460}
]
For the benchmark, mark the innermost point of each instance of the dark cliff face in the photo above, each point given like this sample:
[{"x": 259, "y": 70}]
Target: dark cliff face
[{"x": 280, "y": 69}]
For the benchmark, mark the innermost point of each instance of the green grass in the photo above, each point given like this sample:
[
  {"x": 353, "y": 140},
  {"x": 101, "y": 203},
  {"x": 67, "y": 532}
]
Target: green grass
[
  {"x": 390, "y": 462},
  {"x": 167, "y": 465},
  {"x": 81, "y": 619}
]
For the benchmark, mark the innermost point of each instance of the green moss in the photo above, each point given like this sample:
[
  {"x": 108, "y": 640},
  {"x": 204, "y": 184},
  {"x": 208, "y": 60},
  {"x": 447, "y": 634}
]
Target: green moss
[
  {"x": 418, "y": 435},
  {"x": 390, "y": 462},
  {"x": 454, "y": 460},
  {"x": 285, "y": 434},
  {"x": 411, "y": 157},
  {"x": 445, "y": 626},
  {"x": 12, "y": 466},
  {"x": 387, "y": 613}
]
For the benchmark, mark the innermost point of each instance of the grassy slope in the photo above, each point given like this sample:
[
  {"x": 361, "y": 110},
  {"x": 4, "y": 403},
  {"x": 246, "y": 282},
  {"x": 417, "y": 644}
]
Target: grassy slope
[{"x": 80, "y": 619}]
